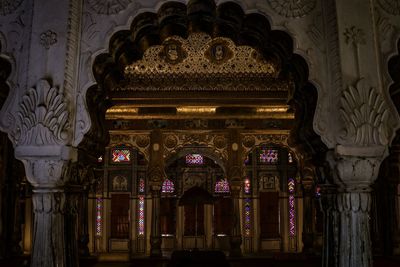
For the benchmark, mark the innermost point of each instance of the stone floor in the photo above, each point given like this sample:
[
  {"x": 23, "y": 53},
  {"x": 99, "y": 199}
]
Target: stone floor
[{"x": 254, "y": 261}]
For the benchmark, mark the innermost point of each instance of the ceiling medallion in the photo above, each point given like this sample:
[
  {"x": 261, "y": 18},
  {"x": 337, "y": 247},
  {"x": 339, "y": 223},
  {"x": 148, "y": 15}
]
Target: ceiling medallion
[
  {"x": 200, "y": 57},
  {"x": 293, "y": 8}
]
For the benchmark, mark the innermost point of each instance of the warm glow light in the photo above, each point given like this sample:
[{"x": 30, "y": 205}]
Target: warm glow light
[
  {"x": 269, "y": 109},
  {"x": 196, "y": 110}
]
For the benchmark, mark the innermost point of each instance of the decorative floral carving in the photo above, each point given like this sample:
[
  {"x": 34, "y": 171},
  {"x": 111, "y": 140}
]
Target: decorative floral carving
[
  {"x": 9, "y": 6},
  {"x": 48, "y": 38},
  {"x": 108, "y": 7},
  {"x": 293, "y": 8},
  {"x": 249, "y": 141},
  {"x": 220, "y": 142},
  {"x": 142, "y": 140},
  {"x": 390, "y": 6},
  {"x": 43, "y": 116},
  {"x": 365, "y": 115},
  {"x": 171, "y": 141},
  {"x": 354, "y": 36}
]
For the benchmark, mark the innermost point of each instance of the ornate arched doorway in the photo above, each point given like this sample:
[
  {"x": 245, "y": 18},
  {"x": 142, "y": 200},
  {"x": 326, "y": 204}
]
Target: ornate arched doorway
[{"x": 203, "y": 76}]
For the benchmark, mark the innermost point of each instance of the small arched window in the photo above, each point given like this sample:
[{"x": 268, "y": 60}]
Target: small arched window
[{"x": 168, "y": 186}]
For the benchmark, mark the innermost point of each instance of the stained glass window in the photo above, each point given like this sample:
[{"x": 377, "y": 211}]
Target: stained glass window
[
  {"x": 99, "y": 216},
  {"x": 247, "y": 216},
  {"x": 141, "y": 185},
  {"x": 247, "y": 186},
  {"x": 121, "y": 155},
  {"x": 247, "y": 160},
  {"x": 168, "y": 186},
  {"x": 268, "y": 155},
  {"x": 317, "y": 192},
  {"x": 290, "y": 157},
  {"x": 100, "y": 159},
  {"x": 292, "y": 211},
  {"x": 194, "y": 159},
  {"x": 141, "y": 216},
  {"x": 222, "y": 186}
]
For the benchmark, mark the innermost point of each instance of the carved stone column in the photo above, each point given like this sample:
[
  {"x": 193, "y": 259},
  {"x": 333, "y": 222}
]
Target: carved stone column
[
  {"x": 236, "y": 237},
  {"x": 330, "y": 231},
  {"x": 308, "y": 218},
  {"x": 155, "y": 236},
  {"x": 354, "y": 176}
]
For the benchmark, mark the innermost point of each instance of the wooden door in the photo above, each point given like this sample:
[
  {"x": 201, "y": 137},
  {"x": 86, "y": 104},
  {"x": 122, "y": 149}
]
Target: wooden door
[{"x": 120, "y": 216}]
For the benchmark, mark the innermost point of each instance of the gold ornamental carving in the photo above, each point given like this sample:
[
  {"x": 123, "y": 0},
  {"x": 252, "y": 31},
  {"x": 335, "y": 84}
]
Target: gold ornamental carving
[
  {"x": 171, "y": 141},
  {"x": 202, "y": 63},
  {"x": 142, "y": 140}
]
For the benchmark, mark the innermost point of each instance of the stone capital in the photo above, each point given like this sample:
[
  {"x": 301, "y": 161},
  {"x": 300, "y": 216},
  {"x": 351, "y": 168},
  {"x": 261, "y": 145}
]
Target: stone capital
[
  {"x": 357, "y": 167},
  {"x": 46, "y": 166}
]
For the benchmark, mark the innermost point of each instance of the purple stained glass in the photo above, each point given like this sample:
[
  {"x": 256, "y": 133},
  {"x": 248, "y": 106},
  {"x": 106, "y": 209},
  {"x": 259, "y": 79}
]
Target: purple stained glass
[
  {"x": 99, "y": 217},
  {"x": 194, "y": 159},
  {"x": 268, "y": 155},
  {"x": 141, "y": 216},
  {"x": 222, "y": 186},
  {"x": 247, "y": 187},
  {"x": 168, "y": 186},
  {"x": 141, "y": 185},
  {"x": 292, "y": 210},
  {"x": 247, "y": 216},
  {"x": 121, "y": 155}
]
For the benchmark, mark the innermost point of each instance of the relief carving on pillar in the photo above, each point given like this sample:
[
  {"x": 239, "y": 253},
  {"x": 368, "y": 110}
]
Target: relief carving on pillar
[
  {"x": 366, "y": 115},
  {"x": 45, "y": 172},
  {"x": 42, "y": 118},
  {"x": 390, "y": 6},
  {"x": 9, "y": 6},
  {"x": 108, "y": 7}
]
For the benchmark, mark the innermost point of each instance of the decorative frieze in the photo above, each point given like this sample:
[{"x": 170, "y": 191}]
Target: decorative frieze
[{"x": 293, "y": 8}]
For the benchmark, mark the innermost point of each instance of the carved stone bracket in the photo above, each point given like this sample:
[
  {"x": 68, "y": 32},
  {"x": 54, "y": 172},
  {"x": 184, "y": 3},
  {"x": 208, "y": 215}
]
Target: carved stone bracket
[
  {"x": 365, "y": 114},
  {"x": 43, "y": 116}
]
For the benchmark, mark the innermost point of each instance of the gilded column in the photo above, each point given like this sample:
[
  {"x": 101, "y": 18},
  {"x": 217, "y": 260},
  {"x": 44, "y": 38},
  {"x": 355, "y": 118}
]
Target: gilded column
[
  {"x": 235, "y": 174},
  {"x": 156, "y": 176}
]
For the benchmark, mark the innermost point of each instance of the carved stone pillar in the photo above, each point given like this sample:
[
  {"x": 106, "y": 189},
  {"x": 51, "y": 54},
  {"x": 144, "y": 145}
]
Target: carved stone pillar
[
  {"x": 48, "y": 236},
  {"x": 354, "y": 176},
  {"x": 308, "y": 218},
  {"x": 236, "y": 237},
  {"x": 47, "y": 170},
  {"x": 330, "y": 231},
  {"x": 155, "y": 236}
]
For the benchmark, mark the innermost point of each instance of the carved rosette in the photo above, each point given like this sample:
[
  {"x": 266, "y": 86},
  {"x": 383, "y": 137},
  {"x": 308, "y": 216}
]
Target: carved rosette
[
  {"x": 43, "y": 117},
  {"x": 293, "y": 8},
  {"x": 365, "y": 114},
  {"x": 156, "y": 176}
]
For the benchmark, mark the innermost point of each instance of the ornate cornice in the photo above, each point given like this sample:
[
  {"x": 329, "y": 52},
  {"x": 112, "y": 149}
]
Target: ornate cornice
[{"x": 43, "y": 116}]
